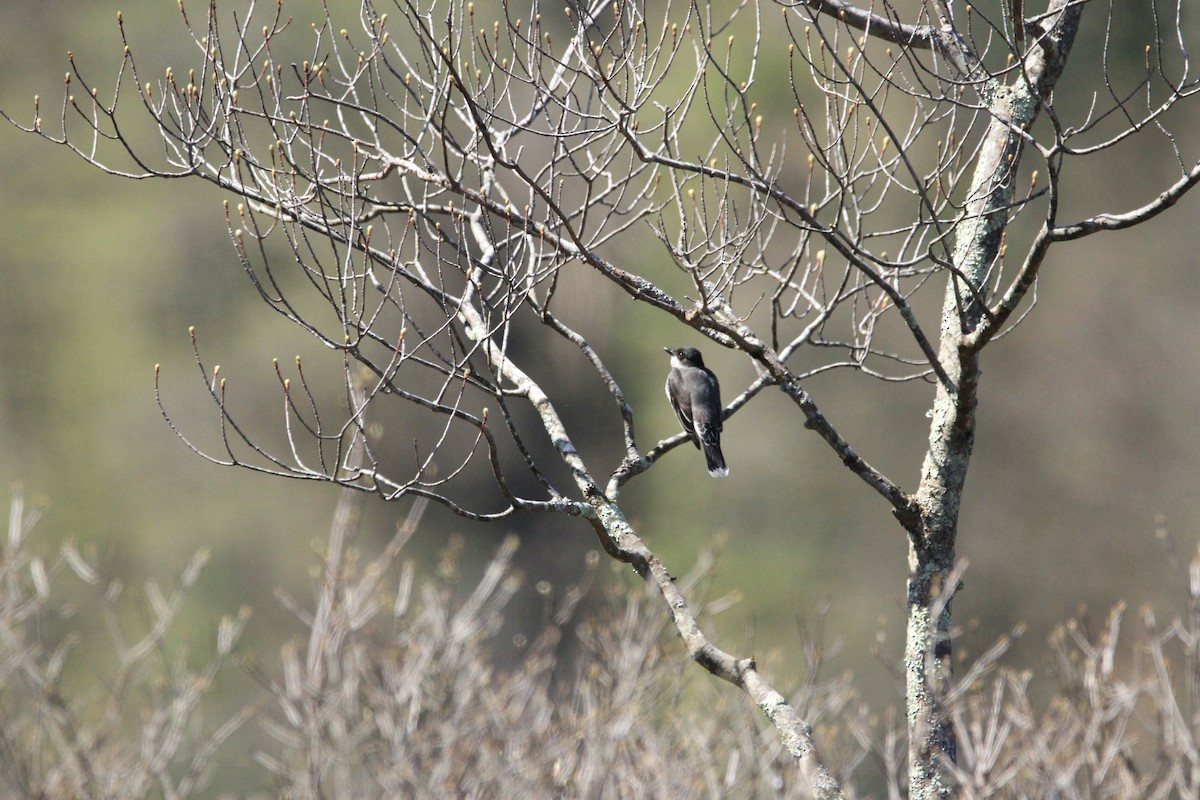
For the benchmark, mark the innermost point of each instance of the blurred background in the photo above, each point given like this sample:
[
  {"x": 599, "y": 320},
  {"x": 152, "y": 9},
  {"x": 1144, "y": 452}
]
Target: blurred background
[{"x": 1086, "y": 444}]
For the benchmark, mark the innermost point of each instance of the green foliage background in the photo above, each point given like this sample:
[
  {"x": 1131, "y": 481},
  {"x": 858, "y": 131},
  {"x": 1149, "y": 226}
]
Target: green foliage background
[{"x": 1087, "y": 429}]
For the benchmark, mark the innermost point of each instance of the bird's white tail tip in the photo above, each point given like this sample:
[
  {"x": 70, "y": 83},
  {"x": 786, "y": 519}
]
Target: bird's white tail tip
[{"x": 719, "y": 473}]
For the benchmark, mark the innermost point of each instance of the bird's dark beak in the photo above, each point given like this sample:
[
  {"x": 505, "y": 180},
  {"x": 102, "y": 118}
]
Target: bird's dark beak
[{"x": 669, "y": 350}]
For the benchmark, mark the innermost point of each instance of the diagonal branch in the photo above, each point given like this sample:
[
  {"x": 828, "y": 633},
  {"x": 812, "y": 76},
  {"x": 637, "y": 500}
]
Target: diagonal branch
[
  {"x": 921, "y": 36},
  {"x": 623, "y": 543}
]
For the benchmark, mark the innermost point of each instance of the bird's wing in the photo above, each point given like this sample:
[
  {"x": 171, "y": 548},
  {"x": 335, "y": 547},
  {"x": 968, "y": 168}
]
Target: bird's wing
[
  {"x": 681, "y": 401},
  {"x": 707, "y": 396}
]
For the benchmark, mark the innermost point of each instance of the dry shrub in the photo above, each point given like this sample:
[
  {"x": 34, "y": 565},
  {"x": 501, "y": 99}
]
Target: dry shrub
[{"x": 392, "y": 687}]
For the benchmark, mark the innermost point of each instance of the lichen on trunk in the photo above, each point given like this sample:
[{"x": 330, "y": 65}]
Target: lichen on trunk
[{"x": 1013, "y": 107}]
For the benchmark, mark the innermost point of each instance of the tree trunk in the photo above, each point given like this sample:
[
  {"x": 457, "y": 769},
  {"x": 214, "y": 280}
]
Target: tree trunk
[{"x": 1012, "y": 108}]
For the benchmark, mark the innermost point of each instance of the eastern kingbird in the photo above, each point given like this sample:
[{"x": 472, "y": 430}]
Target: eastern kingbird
[{"x": 695, "y": 395}]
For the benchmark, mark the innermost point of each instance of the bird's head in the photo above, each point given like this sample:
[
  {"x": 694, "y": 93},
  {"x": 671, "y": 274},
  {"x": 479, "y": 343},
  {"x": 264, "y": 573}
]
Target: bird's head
[{"x": 685, "y": 357}]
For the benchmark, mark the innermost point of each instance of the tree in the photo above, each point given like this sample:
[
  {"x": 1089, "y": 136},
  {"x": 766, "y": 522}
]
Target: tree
[{"x": 421, "y": 195}]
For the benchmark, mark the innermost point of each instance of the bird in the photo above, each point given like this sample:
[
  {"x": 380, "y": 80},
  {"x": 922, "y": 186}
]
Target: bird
[{"x": 695, "y": 395}]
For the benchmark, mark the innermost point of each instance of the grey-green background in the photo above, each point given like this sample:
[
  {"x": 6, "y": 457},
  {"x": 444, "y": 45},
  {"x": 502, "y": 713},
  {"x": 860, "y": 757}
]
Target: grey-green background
[{"x": 1086, "y": 421}]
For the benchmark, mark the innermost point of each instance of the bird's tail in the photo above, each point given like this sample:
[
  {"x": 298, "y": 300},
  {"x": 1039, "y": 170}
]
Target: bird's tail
[{"x": 715, "y": 459}]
